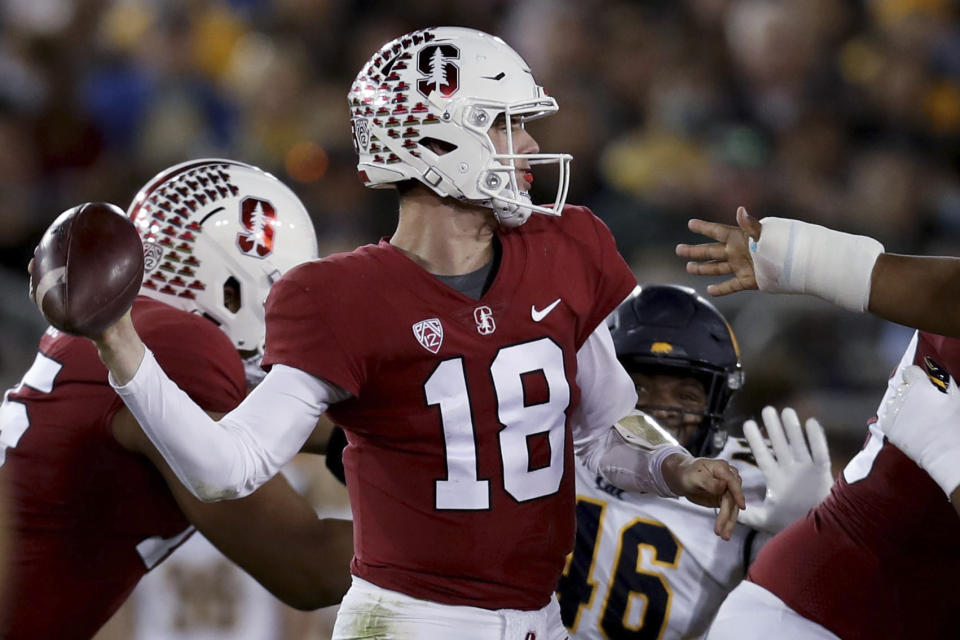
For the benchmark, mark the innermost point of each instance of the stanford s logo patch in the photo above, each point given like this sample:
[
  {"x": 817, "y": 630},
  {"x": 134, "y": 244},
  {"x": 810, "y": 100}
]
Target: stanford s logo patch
[
  {"x": 435, "y": 62},
  {"x": 483, "y": 316},
  {"x": 429, "y": 334},
  {"x": 258, "y": 219}
]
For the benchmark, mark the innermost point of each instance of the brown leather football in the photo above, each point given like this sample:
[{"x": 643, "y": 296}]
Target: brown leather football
[{"x": 87, "y": 269}]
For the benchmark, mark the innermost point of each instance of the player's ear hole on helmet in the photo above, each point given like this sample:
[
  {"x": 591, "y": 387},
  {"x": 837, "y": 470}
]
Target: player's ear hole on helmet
[
  {"x": 439, "y": 147},
  {"x": 231, "y": 294}
]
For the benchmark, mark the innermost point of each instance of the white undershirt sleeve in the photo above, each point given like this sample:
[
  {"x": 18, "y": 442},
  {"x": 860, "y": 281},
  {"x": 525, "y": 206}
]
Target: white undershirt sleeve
[
  {"x": 232, "y": 457},
  {"x": 607, "y": 394}
]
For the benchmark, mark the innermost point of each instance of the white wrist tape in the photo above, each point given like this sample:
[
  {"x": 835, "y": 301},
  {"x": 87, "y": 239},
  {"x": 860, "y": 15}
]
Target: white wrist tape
[{"x": 799, "y": 257}]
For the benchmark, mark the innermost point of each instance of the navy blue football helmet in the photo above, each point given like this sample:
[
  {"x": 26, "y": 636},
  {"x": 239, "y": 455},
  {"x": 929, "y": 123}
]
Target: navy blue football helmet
[{"x": 669, "y": 329}]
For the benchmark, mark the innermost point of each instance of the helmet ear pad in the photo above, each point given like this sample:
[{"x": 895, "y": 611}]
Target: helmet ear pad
[{"x": 670, "y": 329}]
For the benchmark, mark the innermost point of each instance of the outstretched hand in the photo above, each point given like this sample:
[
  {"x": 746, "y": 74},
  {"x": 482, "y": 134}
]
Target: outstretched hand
[
  {"x": 729, "y": 255},
  {"x": 798, "y": 474},
  {"x": 710, "y": 483}
]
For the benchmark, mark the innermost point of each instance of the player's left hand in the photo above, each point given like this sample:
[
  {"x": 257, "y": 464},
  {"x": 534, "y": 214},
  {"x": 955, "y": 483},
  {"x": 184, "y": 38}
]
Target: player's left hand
[
  {"x": 729, "y": 255},
  {"x": 708, "y": 482},
  {"x": 798, "y": 478},
  {"x": 920, "y": 415}
]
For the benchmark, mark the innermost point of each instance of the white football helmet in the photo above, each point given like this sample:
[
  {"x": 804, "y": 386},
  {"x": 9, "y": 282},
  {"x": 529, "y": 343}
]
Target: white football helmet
[
  {"x": 212, "y": 223},
  {"x": 449, "y": 84}
]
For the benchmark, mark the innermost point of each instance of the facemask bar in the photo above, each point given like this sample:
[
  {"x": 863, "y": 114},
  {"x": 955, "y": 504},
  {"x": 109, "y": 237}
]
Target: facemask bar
[
  {"x": 491, "y": 184},
  {"x": 562, "y": 160}
]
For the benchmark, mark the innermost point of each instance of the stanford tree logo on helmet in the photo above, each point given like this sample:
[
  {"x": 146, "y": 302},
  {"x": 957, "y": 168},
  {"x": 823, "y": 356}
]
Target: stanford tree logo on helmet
[
  {"x": 258, "y": 218},
  {"x": 441, "y": 74}
]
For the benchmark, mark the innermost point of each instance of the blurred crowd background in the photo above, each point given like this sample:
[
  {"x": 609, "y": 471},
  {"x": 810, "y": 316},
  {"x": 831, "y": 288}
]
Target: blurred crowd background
[{"x": 843, "y": 112}]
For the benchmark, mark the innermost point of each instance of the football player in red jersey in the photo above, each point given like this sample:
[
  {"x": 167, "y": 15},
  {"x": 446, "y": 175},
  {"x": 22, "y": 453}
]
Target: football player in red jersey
[
  {"x": 877, "y": 558},
  {"x": 91, "y": 514},
  {"x": 781, "y": 255},
  {"x": 466, "y": 357}
]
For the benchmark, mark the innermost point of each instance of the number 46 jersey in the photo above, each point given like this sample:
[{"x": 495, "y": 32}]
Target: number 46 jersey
[
  {"x": 460, "y": 459},
  {"x": 647, "y": 567}
]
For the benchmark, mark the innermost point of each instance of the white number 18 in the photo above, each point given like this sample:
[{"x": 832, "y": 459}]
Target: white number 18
[{"x": 447, "y": 388}]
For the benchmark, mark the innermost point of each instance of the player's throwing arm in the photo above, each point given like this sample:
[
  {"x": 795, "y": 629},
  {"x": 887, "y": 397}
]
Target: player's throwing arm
[{"x": 85, "y": 290}]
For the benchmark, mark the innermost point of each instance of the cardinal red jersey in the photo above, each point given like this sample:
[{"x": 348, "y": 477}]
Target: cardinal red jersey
[
  {"x": 459, "y": 464},
  {"x": 879, "y": 557},
  {"x": 91, "y": 518}
]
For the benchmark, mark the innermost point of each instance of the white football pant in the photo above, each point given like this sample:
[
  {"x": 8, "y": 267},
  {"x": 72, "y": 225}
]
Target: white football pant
[
  {"x": 369, "y": 611},
  {"x": 751, "y": 612}
]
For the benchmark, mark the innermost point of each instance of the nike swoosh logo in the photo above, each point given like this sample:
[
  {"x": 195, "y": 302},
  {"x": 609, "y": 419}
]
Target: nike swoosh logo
[{"x": 539, "y": 315}]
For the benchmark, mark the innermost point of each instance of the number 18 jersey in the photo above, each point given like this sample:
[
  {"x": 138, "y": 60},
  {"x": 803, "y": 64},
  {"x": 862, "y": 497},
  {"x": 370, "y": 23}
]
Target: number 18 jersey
[{"x": 460, "y": 462}]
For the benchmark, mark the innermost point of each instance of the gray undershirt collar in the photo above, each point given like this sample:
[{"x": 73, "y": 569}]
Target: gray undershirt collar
[
  {"x": 475, "y": 284},
  {"x": 471, "y": 284}
]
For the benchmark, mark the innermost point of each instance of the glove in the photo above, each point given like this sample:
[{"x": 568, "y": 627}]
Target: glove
[
  {"x": 922, "y": 419},
  {"x": 797, "y": 478}
]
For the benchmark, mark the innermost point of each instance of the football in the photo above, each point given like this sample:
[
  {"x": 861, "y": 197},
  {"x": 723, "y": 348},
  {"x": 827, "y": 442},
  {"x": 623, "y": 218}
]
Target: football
[{"x": 87, "y": 269}]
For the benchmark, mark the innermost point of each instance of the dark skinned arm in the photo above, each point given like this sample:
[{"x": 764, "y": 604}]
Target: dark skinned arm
[
  {"x": 273, "y": 534},
  {"x": 917, "y": 291}
]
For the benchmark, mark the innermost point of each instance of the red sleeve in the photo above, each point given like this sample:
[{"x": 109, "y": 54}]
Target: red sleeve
[
  {"x": 299, "y": 329},
  {"x": 195, "y": 354},
  {"x": 943, "y": 351},
  {"x": 613, "y": 278}
]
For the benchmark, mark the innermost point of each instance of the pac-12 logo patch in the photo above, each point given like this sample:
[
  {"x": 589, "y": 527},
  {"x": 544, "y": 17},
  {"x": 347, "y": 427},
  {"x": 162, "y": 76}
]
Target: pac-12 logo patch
[
  {"x": 258, "y": 219},
  {"x": 483, "y": 316},
  {"x": 440, "y": 73},
  {"x": 361, "y": 134},
  {"x": 429, "y": 334},
  {"x": 152, "y": 255}
]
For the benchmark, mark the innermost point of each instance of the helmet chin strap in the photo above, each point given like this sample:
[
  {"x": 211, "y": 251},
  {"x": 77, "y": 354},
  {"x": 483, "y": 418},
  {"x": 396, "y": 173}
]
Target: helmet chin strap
[{"x": 510, "y": 214}]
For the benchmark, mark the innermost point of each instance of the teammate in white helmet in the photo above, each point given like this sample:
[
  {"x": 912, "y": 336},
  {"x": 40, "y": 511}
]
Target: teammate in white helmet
[
  {"x": 647, "y": 568},
  {"x": 466, "y": 357},
  {"x": 92, "y": 514}
]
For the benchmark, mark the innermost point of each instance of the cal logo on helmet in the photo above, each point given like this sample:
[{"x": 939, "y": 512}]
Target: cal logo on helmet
[{"x": 661, "y": 347}]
